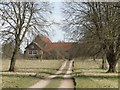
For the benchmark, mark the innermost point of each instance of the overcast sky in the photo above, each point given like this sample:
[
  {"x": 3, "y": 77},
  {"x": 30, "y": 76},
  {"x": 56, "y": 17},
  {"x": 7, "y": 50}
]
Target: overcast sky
[{"x": 57, "y": 34}]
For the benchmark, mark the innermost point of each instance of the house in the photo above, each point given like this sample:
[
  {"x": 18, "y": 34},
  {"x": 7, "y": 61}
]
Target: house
[
  {"x": 33, "y": 49},
  {"x": 42, "y": 45}
]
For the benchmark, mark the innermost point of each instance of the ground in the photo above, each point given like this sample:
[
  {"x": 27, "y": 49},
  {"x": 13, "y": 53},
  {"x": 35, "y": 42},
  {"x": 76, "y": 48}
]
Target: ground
[
  {"x": 27, "y": 71},
  {"x": 56, "y": 73},
  {"x": 88, "y": 74}
]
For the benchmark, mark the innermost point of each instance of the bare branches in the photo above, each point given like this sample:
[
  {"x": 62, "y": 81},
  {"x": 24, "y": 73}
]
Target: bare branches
[
  {"x": 93, "y": 22},
  {"x": 21, "y": 16},
  {"x": 19, "y": 19}
]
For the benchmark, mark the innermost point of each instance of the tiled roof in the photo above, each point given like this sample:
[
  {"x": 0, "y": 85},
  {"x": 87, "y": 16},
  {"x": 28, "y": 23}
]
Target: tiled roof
[
  {"x": 60, "y": 45},
  {"x": 37, "y": 45},
  {"x": 45, "y": 39},
  {"x": 52, "y": 46}
]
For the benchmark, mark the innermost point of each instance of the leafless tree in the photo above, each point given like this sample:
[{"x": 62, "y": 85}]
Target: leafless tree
[
  {"x": 21, "y": 18},
  {"x": 96, "y": 24}
]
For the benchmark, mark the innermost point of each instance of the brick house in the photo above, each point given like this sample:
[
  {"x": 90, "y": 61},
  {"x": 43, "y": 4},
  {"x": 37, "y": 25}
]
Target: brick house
[
  {"x": 33, "y": 49},
  {"x": 41, "y": 45}
]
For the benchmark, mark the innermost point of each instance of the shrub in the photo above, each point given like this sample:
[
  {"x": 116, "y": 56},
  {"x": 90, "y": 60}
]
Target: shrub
[{"x": 38, "y": 56}]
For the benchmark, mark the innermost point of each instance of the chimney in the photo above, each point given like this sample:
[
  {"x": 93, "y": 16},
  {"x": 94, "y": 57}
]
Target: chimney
[{"x": 27, "y": 42}]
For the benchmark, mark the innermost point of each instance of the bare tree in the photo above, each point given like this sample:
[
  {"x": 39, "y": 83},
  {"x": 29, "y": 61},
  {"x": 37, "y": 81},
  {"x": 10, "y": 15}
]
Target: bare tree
[
  {"x": 97, "y": 25},
  {"x": 20, "y": 18}
]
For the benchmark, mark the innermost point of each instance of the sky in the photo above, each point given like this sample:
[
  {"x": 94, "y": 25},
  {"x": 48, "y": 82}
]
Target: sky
[{"x": 57, "y": 34}]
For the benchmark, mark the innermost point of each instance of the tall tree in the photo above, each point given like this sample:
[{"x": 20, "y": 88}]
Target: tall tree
[
  {"x": 96, "y": 24},
  {"x": 20, "y": 18}
]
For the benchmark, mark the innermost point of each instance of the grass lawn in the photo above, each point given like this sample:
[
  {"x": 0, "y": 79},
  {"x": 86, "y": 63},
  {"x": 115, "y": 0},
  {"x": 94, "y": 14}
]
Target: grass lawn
[
  {"x": 27, "y": 72},
  {"x": 88, "y": 74}
]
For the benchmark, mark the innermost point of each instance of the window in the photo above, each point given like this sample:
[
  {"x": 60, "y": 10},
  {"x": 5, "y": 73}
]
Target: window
[
  {"x": 32, "y": 52},
  {"x": 32, "y": 46}
]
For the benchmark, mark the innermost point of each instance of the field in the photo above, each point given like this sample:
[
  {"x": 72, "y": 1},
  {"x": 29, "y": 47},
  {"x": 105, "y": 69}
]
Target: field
[
  {"x": 88, "y": 74},
  {"x": 27, "y": 72}
]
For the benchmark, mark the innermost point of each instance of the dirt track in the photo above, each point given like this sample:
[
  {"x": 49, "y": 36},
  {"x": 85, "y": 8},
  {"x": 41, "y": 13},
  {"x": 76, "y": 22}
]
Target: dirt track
[
  {"x": 67, "y": 81},
  {"x": 46, "y": 81}
]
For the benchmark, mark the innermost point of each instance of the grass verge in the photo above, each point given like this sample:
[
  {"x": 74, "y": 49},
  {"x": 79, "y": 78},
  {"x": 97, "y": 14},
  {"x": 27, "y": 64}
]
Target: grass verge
[
  {"x": 87, "y": 74},
  {"x": 28, "y": 72}
]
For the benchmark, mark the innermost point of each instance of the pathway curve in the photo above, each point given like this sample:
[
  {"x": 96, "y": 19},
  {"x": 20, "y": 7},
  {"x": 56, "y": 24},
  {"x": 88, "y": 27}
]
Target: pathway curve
[
  {"x": 46, "y": 81},
  {"x": 67, "y": 81}
]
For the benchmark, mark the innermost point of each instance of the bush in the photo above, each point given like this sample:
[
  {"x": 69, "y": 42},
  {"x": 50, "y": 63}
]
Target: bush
[{"x": 38, "y": 56}]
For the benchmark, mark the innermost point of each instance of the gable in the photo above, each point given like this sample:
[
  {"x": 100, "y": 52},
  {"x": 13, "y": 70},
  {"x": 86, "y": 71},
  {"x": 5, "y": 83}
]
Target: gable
[{"x": 34, "y": 46}]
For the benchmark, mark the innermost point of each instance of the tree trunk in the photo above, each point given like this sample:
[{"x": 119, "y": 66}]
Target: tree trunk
[
  {"x": 94, "y": 58},
  {"x": 112, "y": 68},
  {"x": 13, "y": 59},
  {"x": 104, "y": 63},
  {"x": 112, "y": 61}
]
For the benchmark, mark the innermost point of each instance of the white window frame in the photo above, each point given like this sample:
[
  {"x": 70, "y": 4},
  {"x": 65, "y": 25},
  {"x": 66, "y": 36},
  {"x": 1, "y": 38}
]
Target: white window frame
[{"x": 32, "y": 52}]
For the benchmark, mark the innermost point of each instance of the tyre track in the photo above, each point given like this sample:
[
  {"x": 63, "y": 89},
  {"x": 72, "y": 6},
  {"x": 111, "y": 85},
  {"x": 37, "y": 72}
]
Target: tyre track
[
  {"x": 67, "y": 81},
  {"x": 46, "y": 81}
]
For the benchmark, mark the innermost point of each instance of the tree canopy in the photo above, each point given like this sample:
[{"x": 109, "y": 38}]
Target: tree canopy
[{"x": 96, "y": 24}]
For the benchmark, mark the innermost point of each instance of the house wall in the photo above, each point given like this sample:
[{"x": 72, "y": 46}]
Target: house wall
[
  {"x": 39, "y": 51},
  {"x": 27, "y": 52}
]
